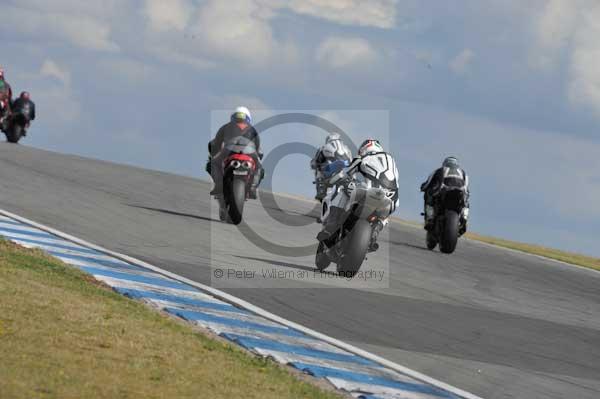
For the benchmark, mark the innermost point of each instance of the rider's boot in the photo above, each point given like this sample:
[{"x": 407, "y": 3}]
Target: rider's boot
[
  {"x": 218, "y": 189},
  {"x": 258, "y": 176},
  {"x": 429, "y": 217},
  {"x": 217, "y": 176},
  {"x": 464, "y": 221},
  {"x": 331, "y": 223},
  {"x": 252, "y": 192},
  {"x": 374, "y": 246}
]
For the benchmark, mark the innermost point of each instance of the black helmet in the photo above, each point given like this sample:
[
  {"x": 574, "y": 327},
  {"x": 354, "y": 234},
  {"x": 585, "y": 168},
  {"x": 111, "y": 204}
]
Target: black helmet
[{"x": 450, "y": 162}]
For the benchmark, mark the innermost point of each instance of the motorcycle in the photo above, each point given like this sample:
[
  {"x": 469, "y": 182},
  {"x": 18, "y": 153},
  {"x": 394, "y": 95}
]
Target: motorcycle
[
  {"x": 451, "y": 218},
  {"x": 239, "y": 168},
  {"x": 16, "y": 127},
  {"x": 366, "y": 206}
]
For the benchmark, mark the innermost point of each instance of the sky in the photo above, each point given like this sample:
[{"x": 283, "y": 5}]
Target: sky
[{"x": 512, "y": 88}]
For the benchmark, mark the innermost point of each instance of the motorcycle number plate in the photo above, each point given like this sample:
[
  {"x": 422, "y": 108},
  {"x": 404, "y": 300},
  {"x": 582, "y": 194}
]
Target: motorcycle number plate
[{"x": 240, "y": 172}]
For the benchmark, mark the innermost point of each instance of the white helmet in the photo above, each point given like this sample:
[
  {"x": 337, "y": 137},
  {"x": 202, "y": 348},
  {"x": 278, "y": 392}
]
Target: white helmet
[
  {"x": 369, "y": 146},
  {"x": 242, "y": 113},
  {"x": 333, "y": 137}
]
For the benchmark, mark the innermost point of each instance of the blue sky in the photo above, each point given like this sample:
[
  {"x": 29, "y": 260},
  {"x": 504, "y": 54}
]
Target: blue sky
[{"x": 510, "y": 87}]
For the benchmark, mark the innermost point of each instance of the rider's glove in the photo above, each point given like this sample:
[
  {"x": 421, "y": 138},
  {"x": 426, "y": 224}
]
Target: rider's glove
[{"x": 348, "y": 186}]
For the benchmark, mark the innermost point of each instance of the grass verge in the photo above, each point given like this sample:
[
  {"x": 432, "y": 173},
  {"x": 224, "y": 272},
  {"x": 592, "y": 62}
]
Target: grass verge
[{"x": 64, "y": 335}]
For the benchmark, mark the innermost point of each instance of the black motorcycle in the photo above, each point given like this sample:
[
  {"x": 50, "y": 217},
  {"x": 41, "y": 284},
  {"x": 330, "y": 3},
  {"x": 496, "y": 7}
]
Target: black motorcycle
[
  {"x": 450, "y": 222},
  {"x": 16, "y": 127}
]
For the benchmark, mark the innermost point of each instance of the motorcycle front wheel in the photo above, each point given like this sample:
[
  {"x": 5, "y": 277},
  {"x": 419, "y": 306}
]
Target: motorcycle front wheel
[{"x": 14, "y": 133}]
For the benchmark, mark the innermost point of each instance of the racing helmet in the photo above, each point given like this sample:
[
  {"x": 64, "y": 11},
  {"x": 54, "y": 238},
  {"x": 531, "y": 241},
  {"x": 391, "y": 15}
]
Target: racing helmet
[
  {"x": 370, "y": 146},
  {"x": 242, "y": 114},
  {"x": 1, "y": 73},
  {"x": 25, "y": 95},
  {"x": 450, "y": 162},
  {"x": 333, "y": 137}
]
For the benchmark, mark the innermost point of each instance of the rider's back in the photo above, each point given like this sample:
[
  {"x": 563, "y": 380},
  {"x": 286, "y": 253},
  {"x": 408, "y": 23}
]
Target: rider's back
[
  {"x": 26, "y": 107},
  {"x": 232, "y": 130}
]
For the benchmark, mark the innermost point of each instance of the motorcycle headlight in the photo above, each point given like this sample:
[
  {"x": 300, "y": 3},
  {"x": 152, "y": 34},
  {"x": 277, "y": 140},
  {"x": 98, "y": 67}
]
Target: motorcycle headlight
[
  {"x": 235, "y": 164},
  {"x": 248, "y": 164}
]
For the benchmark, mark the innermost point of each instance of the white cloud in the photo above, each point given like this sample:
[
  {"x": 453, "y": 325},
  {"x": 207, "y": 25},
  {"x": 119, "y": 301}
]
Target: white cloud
[
  {"x": 129, "y": 70},
  {"x": 462, "y": 61},
  {"x": 168, "y": 15},
  {"x": 553, "y": 28},
  {"x": 55, "y": 97},
  {"x": 181, "y": 55},
  {"x": 374, "y": 13},
  {"x": 51, "y": 69},
  {"x": 570, "y": 29},
  {"x": 584, "y": 72},
  {"x": 80, "y": 30},
  {"x": 237, "y": 29},
  {"x": 340, "y": 52}
]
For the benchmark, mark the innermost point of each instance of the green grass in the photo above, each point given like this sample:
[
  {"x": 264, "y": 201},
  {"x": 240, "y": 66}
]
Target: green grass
[{"x": 64, "y": 335}]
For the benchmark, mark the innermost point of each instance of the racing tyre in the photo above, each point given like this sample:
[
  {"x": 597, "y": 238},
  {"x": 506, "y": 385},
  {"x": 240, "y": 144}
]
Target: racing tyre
[
  {"x": 235, "y": 199},
  {"x": 450, "y": 232},
  {"x": 356, "y": 245},
  {"x": 13, "y": 135}
]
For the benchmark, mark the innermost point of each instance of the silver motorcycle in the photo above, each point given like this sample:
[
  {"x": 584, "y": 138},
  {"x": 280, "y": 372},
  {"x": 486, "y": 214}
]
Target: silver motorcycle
[{"x": 366, "y": 204}]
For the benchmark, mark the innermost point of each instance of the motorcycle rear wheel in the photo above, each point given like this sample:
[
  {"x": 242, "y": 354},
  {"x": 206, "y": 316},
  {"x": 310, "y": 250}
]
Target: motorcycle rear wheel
[
  {"x": 235, "y": 198},
  {"x": 450, "y": 232},
  {"x": 355, "y": 247}
]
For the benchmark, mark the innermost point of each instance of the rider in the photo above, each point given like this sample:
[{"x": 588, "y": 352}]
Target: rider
[
  {"x": 240, "y": 125},
  {"x": 25, "y": 106},
  {"x": 6, "y": 97},
  {"x": 369, "y": 151},
  {"x": 333, "y": 149},
  {"x": 450, "y": 170}
]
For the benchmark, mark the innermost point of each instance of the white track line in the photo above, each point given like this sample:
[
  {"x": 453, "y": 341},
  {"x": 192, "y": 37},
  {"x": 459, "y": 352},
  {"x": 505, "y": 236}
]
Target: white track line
[{"x": 252, "y": 308}]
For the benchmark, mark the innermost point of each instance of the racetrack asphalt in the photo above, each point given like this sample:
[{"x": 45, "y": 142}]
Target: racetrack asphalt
[{"x": 497, "y": 323}]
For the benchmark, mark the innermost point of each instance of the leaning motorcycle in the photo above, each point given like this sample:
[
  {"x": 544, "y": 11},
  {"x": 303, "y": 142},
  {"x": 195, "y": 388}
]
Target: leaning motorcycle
[
  {"x": 367, "y": 205},
  {"x": 239, "y": 168},
  {"x": 451, "y": 218},
  {"x": 16, "y": 127}
]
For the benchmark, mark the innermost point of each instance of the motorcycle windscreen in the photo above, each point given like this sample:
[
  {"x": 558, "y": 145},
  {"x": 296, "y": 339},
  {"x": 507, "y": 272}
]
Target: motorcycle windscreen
[{"x": 334, "y": 167}]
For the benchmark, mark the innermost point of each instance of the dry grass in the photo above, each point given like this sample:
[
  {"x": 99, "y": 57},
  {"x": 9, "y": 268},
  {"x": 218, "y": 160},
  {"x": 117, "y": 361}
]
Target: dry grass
[{"x": 62, "y": 336}]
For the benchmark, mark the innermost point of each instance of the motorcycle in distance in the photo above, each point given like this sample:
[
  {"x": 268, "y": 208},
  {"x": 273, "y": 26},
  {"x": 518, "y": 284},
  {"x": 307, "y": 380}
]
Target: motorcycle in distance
[
  {"x": 364, "y": 207},
  {"x": 451, "y": 218},
  {"x": 16, "y": 127},
  {"x": 239, "y": 168}
]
